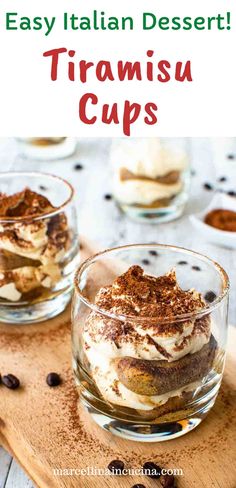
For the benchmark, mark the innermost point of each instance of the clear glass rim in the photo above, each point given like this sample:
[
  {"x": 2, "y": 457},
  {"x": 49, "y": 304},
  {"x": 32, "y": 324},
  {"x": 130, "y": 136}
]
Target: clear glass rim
[
  {"x": 11, "y": 174},
  {"x": 206, "y": 310}
]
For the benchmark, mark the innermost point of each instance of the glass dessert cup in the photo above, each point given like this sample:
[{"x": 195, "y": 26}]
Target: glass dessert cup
[
  {"x": 151, "y": 178},
  {"x": 143, "y": 371},
  {"x": 38, "y": 246},
  {"x": 47, "y": 148}
]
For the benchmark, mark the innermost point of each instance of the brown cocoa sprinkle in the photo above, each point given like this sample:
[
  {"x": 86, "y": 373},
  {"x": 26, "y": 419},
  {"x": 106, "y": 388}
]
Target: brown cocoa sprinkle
[
  {"x": 222, "y": 219},
  {"x": 196, "y": 268},
  {"x": 145, "y": 296}
]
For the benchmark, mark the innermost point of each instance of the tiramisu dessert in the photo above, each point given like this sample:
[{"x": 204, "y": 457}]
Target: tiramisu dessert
[
  {"x": 146, "y": 360},
  {"x": 32, "y": 246},
  {"x": 147, "y": 174}
]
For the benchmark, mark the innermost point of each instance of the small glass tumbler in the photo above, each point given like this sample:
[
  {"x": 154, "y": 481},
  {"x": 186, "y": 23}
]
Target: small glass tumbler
[
  {"x": 38, "y": 246},
  {"x": 151, "y": 177},
  {"x": 125, "y": 374},
  {"x": 47, "y": 148}
]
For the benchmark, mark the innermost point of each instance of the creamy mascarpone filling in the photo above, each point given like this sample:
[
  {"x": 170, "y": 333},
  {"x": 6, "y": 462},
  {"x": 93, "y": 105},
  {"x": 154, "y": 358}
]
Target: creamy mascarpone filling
[
  {"x": 42, "y": 241},
  {"x": 142, "y": 336},
  {"x": 147, "y": 157},
  {"x": 106, "y": 378},
  {"x": 143, "y": 192}
]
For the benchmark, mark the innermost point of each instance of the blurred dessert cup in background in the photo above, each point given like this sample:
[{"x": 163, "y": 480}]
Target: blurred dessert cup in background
[
  {"x": 47, "y": 148},
  {"x": 151, "y": 177},
  {"x": 38, "y": 246}
]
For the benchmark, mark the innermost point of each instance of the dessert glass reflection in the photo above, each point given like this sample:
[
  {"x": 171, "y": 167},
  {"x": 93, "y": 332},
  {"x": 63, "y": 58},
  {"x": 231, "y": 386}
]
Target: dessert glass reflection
[
  {"x": 38, "y": 246},
  {"x": 148, "y": 349},
  {"x": 151, "y": 177},
  {"x": 45, "y": 148}
]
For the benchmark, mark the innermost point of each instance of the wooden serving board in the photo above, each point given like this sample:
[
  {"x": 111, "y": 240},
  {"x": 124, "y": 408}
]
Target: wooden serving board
[{"x": 44, "y": 430}]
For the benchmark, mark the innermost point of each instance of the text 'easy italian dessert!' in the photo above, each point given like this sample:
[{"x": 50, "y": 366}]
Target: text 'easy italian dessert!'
[
  {"x": 32, "y": 245},
  {"x": 148, "y": 361}
]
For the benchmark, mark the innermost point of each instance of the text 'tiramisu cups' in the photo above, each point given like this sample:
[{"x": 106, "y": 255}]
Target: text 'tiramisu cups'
[
  {"x": 38, "y": 246},
  {"x": 149, "y": 335}
]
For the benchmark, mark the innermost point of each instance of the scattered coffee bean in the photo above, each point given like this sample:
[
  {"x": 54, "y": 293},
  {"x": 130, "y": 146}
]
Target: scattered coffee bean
[
  {"x": 232, "y": 193},
  {"x": 230, "y": 156},
  {"x": 108, "y": 196},
  {"x": 153, "y": 253},
  {"x": 222, "y": 179},
  {"x": 138, "y": 486},
  {"x": 116, "y": 466},
  {"x": 11, "y": 381},
  {"x": 210, "y": 296},
  {"x": 78, "y": 167},
  {"x": 182, "y": 263},
  {"x": 168, "y": 481},
  {"x": 208, "y": 186},
  {"x": 152, "y": 470},
  {"x": 146, "y": 262},
  {"x": 196, "y": 268},
  {"x": 53, "y": 379}
]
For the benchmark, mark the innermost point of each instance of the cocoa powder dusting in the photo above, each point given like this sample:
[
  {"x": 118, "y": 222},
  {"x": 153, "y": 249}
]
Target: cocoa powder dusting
[{"x": 222, "y": 219}]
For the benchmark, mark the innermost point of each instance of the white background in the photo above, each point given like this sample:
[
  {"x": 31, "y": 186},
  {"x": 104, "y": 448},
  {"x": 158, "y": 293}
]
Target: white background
[{"x": 32, "y": 105}]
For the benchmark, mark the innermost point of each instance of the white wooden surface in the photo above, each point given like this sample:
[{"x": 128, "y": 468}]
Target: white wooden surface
[{"x": 101, "y": 221}]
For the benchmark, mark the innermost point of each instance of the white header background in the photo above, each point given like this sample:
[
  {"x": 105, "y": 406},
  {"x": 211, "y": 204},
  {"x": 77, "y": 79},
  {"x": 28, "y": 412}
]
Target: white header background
[{"x": 32, "y": 105}]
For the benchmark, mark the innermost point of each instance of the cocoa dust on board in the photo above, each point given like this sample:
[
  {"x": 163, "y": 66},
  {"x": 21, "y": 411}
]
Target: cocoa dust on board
[{"x": 64, "y": 422}]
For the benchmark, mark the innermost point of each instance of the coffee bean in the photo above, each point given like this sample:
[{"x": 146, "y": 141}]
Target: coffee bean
[
  {"x": 230, "y": 156},
  {"x": 231, "y": 193},
  {"x": 116, "y": 466},
  {"x": 196, "y": 268},
  {"x": 210, "y": 296},
  {"x": 152, "y": 470},
  {"x": 208, "y": 186},
  {"x": 53, "y": 379},
  {"x": 108, "y": 196},
  {"x": 138, "y": 486},
  {"x": 222, "y": 179},
  {"x": 182, "y": 263},
  {"x": 168, "y": 481},
  {"x": 153, "y": 253},
  {"x": 146, "y": 262},
  {"x": 78, "y": 167},
  {"x": 11, "y": 381}
]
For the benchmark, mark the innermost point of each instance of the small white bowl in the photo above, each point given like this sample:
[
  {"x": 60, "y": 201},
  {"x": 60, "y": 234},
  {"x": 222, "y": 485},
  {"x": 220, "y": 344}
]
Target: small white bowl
[{"x": 211, "y": 234}]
